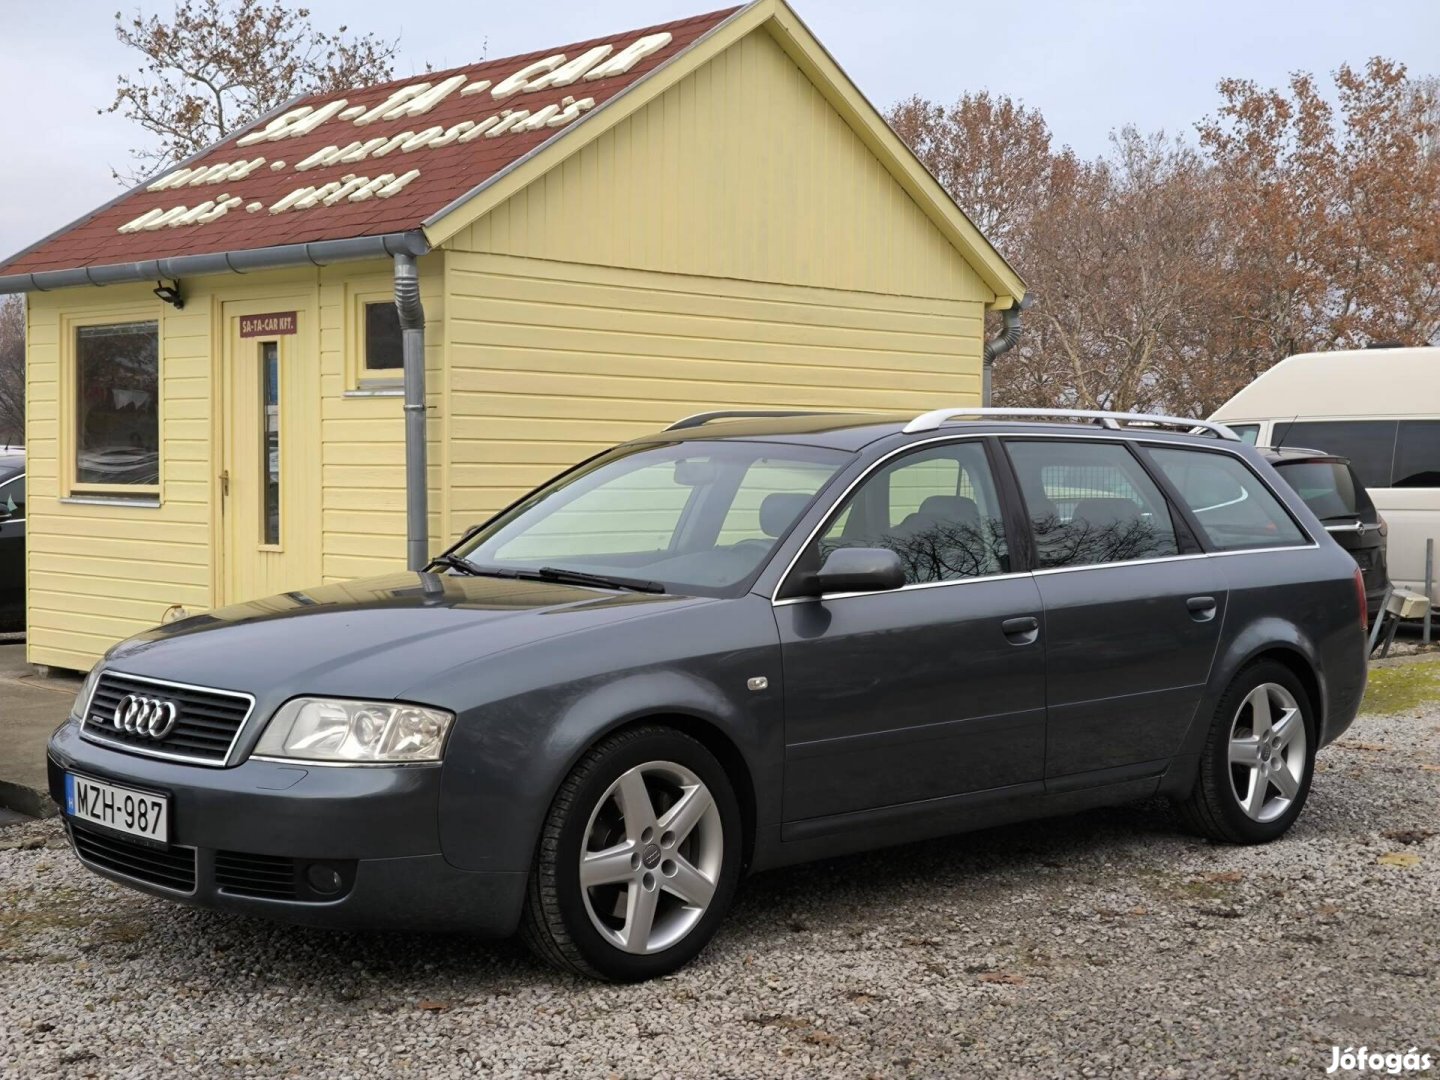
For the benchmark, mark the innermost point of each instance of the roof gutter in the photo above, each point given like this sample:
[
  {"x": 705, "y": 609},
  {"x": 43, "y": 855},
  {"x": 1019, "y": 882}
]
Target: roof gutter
[
  {"x": 253, "y": 260},
  {"x": 1003, "y": 342}
]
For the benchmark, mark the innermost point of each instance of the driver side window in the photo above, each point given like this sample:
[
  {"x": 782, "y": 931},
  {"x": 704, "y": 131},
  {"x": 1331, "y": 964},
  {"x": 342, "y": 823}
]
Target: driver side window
[{"x": 936, "y": 508}]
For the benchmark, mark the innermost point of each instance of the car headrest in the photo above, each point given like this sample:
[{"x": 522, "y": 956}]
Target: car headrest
[
  {"x": 1101, "y": 513},
  {"x": 779, "y": 509},
  {"x": 956, "y": 508},
  {"x": 1041, "y": 508}
]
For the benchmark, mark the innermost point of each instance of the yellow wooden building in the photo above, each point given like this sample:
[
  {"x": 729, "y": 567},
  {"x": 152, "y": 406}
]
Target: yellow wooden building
[{"x": 608, "y": 236}]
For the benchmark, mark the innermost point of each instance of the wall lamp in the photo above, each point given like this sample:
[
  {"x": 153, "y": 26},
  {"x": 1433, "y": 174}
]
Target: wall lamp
[{"x": 170, "y": 293}]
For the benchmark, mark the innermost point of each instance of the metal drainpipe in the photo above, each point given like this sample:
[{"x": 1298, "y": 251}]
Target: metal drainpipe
[
  {"x": 412, "y": 326},
  {"x": 1002, "y": 343}
]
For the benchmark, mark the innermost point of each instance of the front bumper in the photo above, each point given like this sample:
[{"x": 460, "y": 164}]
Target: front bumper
[{"x": 234, "y": 832}]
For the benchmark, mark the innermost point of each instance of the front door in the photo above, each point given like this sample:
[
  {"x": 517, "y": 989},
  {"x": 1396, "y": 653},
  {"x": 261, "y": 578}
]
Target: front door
[
  {"x": 932, "y": 690},
  {"x": 270, "y": 478}
]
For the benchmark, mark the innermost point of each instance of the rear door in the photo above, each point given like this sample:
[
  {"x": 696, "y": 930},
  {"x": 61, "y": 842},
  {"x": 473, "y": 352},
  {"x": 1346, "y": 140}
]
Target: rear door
[{"x": 1132, "y": 607}]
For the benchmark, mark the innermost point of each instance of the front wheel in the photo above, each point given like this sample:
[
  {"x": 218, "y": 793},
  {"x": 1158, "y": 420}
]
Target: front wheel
[
  {"x": 1258, "y": 760},
  {"x": 638, "y": 858}
]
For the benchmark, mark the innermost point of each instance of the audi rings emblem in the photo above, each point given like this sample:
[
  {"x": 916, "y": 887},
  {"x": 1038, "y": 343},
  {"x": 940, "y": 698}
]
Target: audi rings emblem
[{"x": 151, "y": 718}]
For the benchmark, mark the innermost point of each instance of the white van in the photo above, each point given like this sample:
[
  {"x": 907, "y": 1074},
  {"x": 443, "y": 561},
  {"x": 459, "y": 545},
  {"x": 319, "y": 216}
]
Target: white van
[{"x": 1380, "y": 408}]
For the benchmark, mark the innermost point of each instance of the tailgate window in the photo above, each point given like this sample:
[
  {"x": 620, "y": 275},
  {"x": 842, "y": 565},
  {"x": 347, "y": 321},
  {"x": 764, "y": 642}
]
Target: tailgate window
[{"x": 1327, "y": 487}]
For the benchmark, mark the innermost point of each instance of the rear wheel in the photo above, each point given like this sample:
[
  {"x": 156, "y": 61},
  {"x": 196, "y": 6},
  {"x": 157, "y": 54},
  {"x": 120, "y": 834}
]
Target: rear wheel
[
  {"x": 638, "y": 858},
  {"x": 1258, "y": 760}
]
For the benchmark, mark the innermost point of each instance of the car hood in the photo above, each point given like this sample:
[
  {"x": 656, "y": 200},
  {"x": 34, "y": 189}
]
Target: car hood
[{"x": 374, "y": 637}]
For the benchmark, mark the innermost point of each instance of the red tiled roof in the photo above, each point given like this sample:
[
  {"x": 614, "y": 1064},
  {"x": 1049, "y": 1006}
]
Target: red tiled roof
[{"x": 445, "y": 172}]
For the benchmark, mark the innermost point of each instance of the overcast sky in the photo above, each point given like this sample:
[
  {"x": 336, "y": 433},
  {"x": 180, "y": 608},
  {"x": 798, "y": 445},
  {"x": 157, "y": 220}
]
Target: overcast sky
[{"x": 1089, "y": 67}]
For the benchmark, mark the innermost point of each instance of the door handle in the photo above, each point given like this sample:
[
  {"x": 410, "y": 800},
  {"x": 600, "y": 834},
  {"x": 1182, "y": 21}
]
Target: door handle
[
  {"x": 1201, "y": 608},
  {"x": 1022, "y": 630}
]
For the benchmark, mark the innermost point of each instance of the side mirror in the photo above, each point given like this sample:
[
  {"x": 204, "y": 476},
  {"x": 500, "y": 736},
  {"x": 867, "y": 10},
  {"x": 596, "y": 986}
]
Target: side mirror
[{"x": 859, "y": 570}]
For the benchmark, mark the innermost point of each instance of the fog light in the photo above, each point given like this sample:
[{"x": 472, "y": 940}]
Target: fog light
[{"x": 324, "y": 879}]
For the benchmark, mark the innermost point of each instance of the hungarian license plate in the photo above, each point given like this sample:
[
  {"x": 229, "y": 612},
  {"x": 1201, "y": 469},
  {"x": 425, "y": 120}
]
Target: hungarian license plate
[{"x": 136, "y": 813}]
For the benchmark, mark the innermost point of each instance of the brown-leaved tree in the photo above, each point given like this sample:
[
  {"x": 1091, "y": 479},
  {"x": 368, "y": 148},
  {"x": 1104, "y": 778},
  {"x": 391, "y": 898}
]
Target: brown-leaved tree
[
  {"x": 1168, "y": 275},
  {"x": 216, "y": 65}
]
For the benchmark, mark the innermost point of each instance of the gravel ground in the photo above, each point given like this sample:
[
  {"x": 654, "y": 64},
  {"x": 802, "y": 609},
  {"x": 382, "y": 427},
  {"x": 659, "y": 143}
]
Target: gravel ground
[{"x": 1103, "y": 944}]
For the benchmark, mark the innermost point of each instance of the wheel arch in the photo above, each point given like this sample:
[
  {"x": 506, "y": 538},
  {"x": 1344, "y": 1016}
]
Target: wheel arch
[
  {"x": 711, "y": 735},
  {"x": 1300, "y": 666},
  {"x": 1267, "y": 639}
]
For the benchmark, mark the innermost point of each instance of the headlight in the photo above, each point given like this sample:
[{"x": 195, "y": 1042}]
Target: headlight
[
  {"x": 355, "y": 732},
  {"x": 87, "y": 690}
]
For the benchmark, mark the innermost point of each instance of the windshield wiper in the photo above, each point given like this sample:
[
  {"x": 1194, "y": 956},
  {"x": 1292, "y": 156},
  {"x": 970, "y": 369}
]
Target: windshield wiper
[
  {"x": 605, "y": 581},
  {"x": 456, "y": 562}
]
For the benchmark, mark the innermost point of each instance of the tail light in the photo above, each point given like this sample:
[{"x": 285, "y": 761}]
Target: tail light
[
  {"x": 1360, "y": 599},
  {"x": 1384, "y": 528}
]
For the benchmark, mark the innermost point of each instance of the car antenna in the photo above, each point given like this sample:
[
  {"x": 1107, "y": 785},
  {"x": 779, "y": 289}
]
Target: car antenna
[{"x": 1288, "y": 426}]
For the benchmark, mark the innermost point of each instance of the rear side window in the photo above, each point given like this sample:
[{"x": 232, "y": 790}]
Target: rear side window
[
  {"x": 1234, "y": 508},
  {"x": 1417, "y": 454},
  {"x": 1091, "y": 503},
  {"x": 1327, "y": 487},
  {"x": 1369, "y": 444},
  {"x": 1249, "y": 433}
]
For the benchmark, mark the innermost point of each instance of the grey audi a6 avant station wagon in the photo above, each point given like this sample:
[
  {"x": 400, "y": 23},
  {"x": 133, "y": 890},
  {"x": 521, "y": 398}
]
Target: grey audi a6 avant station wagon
[{"x": 742, "y": 642}]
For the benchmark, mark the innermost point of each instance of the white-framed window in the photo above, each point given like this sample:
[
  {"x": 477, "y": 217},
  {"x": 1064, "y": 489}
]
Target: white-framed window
[{"x": 376, "y": 361}]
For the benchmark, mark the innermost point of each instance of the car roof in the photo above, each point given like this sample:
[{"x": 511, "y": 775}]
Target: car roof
[{"x": 854, "y": 431}]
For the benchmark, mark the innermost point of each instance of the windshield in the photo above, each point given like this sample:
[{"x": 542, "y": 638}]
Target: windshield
[
  {"x": 696, "y": 517},
  {"x": 1327, "y": 487}
]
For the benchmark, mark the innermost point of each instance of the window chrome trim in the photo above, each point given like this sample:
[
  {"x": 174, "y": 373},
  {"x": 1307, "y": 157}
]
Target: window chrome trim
[
  {"x": 1119, "y": 562},
  {"x": 188, "y": 759},
  {"x": 1264, "y": 550},
  {"x": 903, "y": 588},
  {"x": 308, "y": 762}
]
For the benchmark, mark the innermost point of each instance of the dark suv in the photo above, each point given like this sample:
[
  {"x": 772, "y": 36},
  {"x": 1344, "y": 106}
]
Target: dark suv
[
  {"x": 735, "y": 644},
  {"x": 1329, "y": 486},
  {"x": 12, "y": 538}
]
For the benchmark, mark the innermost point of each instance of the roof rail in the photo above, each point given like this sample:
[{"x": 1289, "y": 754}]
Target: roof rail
[
  {"x": 700, "y": 419},
  {"x": 1112, "y": 420}
]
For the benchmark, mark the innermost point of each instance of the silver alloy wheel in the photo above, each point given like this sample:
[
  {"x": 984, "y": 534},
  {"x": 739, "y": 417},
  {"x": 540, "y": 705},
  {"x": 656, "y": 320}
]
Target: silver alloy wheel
[
  {"x": 1267, "y": 752},
  {"x": 651, "y": 858}
]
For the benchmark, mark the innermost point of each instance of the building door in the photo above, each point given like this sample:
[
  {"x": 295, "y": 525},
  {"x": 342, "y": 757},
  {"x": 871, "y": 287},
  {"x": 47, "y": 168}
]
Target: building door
[{"x": 270, "y": 472}]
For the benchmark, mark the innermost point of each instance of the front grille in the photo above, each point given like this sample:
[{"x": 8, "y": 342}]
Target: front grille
[
  {"x": 269, "y": 877},
  {"x": 206, "y": 727},
  {"x": 170, "y": 868}
]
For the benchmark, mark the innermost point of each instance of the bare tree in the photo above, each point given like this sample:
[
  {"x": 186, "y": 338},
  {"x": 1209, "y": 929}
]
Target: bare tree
[
  {"x": 1124, "y": 258},
  {"x": 216, "y": 65},
  {"x": 992, "y": 155},
  {"x": 12, "y": 369}
]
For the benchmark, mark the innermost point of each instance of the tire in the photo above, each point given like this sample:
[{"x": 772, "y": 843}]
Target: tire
[
  {"x": 1228, "y": 803},
  {"x": 681, "y": 880}
]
